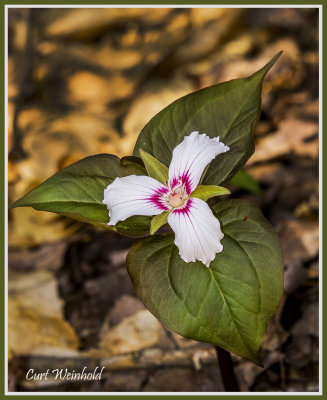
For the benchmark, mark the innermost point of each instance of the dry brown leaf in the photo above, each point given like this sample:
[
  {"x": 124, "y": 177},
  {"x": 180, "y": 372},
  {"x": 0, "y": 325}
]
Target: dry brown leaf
[{"x": 294, "y": 135}]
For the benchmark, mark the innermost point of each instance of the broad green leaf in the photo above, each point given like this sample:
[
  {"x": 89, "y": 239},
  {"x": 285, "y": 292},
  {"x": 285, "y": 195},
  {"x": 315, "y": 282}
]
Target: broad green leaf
[
  {"x": 136, "y": 226},
  {"x": 158, "y": 221},
  {"x": 228, "y": 304},
  {"x": 132, "y": 165},
  {"x": 245, "y": 181},
  {"x": 154, "y": 167},
  {"x": 77, "y": 192},
  {"x": 205, "y": 192},
  {"x": 229, "y": 110}
]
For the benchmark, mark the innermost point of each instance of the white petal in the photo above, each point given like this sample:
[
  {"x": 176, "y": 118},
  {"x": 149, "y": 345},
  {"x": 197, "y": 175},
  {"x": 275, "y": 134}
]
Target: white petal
[
  {"x": 191, "y": 157},
  {"x": 197, "y": 231},
  {"x": 134, "y": 195}
]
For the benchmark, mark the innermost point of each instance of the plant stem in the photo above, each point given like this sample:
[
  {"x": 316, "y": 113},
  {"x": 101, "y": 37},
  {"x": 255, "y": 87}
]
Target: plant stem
[{"x": 227, "y": 370}]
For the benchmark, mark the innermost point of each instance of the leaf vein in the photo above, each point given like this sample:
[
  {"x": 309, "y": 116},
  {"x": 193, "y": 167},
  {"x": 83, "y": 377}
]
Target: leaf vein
[{"x": 228, "y": 308}]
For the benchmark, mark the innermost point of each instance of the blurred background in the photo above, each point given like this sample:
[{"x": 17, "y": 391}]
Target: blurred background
[{"x": 85, "y": 81}]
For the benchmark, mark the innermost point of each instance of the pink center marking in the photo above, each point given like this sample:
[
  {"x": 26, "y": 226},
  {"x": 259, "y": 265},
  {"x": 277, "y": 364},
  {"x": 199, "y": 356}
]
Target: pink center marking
[
  {"x": 157, "y": 199},
  {"x": 186, "y": 182}
]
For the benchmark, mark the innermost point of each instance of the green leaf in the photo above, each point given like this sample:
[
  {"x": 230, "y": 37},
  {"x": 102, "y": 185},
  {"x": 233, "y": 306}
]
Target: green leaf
[
  {"x": 136, "y": 226},
  {"x": 132, "y": 164},
  {"x": 229, "y": 110},
  {"x": 205, "y": 192},
  {"x": 158, "y": 221},
  {"x": 154, "y": 167},
  {"x": 77, "y": 192},
  {"x": 245, "y": 181},
  {"x": 228, "y": 304}
]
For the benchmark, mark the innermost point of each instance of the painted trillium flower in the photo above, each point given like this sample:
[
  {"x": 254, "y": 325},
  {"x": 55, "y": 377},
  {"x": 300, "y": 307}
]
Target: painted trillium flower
[{"x": 197, "y": 230}]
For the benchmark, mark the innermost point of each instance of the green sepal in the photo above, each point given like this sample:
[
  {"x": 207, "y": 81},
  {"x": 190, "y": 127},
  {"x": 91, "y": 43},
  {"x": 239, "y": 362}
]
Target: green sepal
[
  {"x": 158, "y": 221},
  {"x": 205, "y": 192},
  {"x": 154, "y": 167}
]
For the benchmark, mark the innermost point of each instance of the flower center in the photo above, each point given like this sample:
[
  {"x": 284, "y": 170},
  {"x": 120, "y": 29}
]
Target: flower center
[
  {"x": 176, "y": 195},
  {"x": 176, "y": 199}
]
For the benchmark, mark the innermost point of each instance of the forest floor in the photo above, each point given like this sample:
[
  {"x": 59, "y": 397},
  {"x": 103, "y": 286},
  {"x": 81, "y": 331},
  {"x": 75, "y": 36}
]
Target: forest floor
[{"x": 85, "y": 81}]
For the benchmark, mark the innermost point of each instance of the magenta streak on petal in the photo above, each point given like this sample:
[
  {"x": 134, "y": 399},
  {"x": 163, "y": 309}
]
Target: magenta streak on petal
[
  {"x": 156, "y": 199},
  {"x": 185, "y": 210},
  {"x": 186, "y": 181},
  {"x": 174, "y": 182}
]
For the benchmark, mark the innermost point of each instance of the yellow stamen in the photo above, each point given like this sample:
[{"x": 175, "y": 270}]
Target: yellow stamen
[{"x": 176, "y": 199}]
